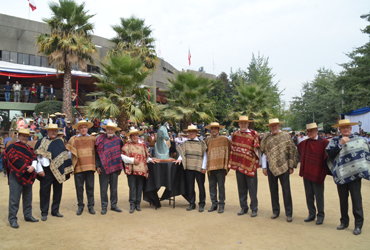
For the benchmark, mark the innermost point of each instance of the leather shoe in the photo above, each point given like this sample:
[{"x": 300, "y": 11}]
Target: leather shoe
[
  {"x": 342, "y": 226},
  {"x": 44, "y": 217},
  {"x": 289, "y": 219},
  {"x": 357, "y": 231},
  {"x": 103, "y": 211},
  {"x": 57, "y": 215},
  {"x": 138, "y": 207},
  {"x": 91, "y": 210},
  {"x": 116, "y": 209},
  {"x": 309, "y": 218},
  {"x": 14, "y": 224},
  {"x": 31, "y": 219},
  {"x": 213, "y": 208},
  {"x": 254, "y": 213},
  {"x": 191, "y": 207},
  {"x": 319, "y": 221},
  {"x": 221, "y": 209},
  {"x": 274, "y": 216},
  {"x": 80, "y": 210},
  {"x": 132, "y": 208},
  {"x": 201, "y": 208},
  {"x": 243, "y": 211}
]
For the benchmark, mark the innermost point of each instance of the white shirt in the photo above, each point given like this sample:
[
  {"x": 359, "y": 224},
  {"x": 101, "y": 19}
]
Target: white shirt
[
  {"x": 204, "y": 163},
  {"x": 130, "y": 160}
]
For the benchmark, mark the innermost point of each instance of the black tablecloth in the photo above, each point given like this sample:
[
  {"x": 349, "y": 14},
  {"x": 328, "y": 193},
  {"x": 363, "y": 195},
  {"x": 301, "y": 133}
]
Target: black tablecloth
[{"x": 165, "y": 174}]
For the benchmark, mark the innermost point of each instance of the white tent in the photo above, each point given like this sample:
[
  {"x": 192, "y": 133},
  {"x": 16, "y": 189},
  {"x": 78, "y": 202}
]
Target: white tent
[{"x": 360, "y": 115}]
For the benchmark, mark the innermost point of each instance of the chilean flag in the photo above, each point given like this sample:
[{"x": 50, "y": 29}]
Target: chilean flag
[
  {"x": 189, "y": 57},
  {"x": 32, "y": 4}
]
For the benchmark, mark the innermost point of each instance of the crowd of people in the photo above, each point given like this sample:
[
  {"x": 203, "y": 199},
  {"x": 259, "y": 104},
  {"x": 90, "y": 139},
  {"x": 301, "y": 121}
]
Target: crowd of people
[{"x": 82, "y": 147}]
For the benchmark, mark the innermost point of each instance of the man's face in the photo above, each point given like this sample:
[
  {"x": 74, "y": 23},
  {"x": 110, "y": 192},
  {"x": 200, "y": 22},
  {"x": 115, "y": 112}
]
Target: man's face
[
  {"x": 23, "y": 138},
  {"x": 215, "y": 131},
  {"x": 51, "y": 85},
  {"x": 312, "y": 133},
  {"x": 52, "y": 133},
  {"x": 274, "y": 128},
  {"x": 134, "y": 138},
  {"x": 345, "y": 130},
  {"x": 7, "y": 83},
  {"x": 192, "y": 134},
  {"x": 83, "y": 129},
  {"x": 110, "y": 131},
  {"x": 243, "y": 126},
  {"x": 37, "y": 130},
  {"x": 16, "y": 82}
]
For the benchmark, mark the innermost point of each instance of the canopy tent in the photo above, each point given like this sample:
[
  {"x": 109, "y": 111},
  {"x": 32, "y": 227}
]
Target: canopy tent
[{"x": 360, "y": 115}]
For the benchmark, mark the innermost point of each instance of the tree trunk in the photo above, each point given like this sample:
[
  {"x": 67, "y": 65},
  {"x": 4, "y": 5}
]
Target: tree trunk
[
  {"x": 67, "y": 83},
  {"x": 122, "y": 121}
]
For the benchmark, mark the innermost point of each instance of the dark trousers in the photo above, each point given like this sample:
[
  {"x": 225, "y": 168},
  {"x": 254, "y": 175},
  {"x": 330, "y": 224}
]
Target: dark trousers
[
  {"x": 191, "y": 176},
  {"x": 86, "y": 178},
  {"x": 354, "y": 188},
  {"x": 15, "y": 191},
  {"x": 152, "y": 151},
  {"x": 274, "y": 191},
  {"x": 136, "y": 185},
  {"x": 247, "y": 183},
  {"x": 314, "y": 190},
  {"x": 112, "y": 180},
  {"x": 217, "y": 177},
  {"x": 45, "y": 188}
]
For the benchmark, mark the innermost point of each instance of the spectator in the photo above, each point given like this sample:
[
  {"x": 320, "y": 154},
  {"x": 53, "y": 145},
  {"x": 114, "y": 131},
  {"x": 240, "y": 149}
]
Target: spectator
[
  {"x": 26, "y": 94},
  {"x": 20, "y": 123},
  {"x": 33, "y": 91},
  {"x": 7, "y": 89},
  {"x": 40, "y": 93},
  {"x": 73, "y": 98},
  {"x": 17, "y": 91},
  {"x": 38, "y": 134},
  {"x": 51, "y": 92}
]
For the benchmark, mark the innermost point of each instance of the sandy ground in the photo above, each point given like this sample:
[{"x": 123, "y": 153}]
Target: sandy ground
[{"x": 168, "y": 228}]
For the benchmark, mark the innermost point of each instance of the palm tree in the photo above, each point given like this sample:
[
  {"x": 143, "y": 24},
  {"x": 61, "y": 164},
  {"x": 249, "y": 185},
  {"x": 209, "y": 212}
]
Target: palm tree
[
  {"x": 120, "y": 91},
  {"x": 69, "y": 42},
  {"x": 135, "y": 37},
  {"x": 187, "y": 99}
]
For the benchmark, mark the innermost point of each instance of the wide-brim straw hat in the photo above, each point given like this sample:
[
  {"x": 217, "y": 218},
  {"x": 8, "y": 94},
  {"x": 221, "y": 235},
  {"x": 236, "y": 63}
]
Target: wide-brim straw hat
[
  {"x": 214, "y": 125},
  {"x": 192, "y": 128},
  {"x": 243, "y": 118},
  {"x": 60, "y": 132},
  {"x": 41, "y": 113},
  {"x": 273, "y": 121},
  {"x": 134, "y": 131},
  {"x": 52, "y": 116},
  {"x": 94, "y": 133},
  {"x": 311, "y": 126},
  {"x": 25, "y": 131},
  {"x": 52, "y": 126},
  {"x": 83, "y": 122},
  {"x": 344, "y": 122},
  {"x": 111, "y": 125},
  {"x": 57, "y": 113}
]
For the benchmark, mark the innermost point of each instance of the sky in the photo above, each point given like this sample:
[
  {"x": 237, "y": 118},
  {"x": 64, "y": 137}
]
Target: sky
[{"x": 298, "y": 37}]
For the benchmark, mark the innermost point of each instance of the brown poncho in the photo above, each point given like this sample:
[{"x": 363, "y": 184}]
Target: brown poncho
[
  {"x": 218, "y": 153},
  {"x": 192, "y": 153},
  {"x": 82, "y": 149}
]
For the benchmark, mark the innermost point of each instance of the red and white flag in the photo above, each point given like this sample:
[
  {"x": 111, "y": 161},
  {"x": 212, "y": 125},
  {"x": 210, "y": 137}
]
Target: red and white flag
[
  {"x": 32, "y": 4},
  {"x": 189, "y": 57}
]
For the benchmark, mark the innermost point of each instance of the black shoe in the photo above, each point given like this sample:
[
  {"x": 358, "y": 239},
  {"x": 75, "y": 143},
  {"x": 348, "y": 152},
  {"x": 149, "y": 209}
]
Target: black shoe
[
  {"x": 31, "y": 219},
  {"x": 274, "y": 216},
  {"x": 116, "y": 209},
  {"x": 357, "y": 231},
  {"x": 254, "y": 213},
  {"x": 289, "y": 219},
  {"x": 191, "y": 207},
  {"x": 213, "y": 208},
  {"x": 44, "y": 217},
  {"x": 243, "y": 211},
  {"x": 221, "y": 209},
  {"x": 319, "y": 221},
  {"x": 57, "y": 215},
  {"x": 91, "y": 210},
  {"x": 201, "y": 208},
  {"x": 342, "y": 226},
  {"x": 103, "y": 211},
  {"x": 309, "y": 218},
  {"x": 14, "y": 224},
  {"x": 132, "y": 208},
  {"x": 80, "y": 210},
  {"x": 138, "y": 207}
]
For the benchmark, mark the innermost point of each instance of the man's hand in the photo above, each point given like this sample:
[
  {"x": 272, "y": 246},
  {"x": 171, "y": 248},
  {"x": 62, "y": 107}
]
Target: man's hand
[
  {"x": 178, "y": 162},
  {"x": 136, "y": 162},
  {"x": 291, "y": 170},
  {"x": 42, "y": 174},
  {"x": 264, "y": 171},
  {"x": 30, "y": 169},
  {"x": 154, "y": 161},
  {"x": 344, "y": 140},
  {"x": 203, "y": 171},
  {"x": 98, "y": 170}
]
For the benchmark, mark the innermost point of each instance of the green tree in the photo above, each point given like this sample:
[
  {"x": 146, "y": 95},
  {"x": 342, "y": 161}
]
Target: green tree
[
  {"x": 120, "y": 91},
  {"x": 187, "y": 99},
  {"x": 69, "y": 42}
]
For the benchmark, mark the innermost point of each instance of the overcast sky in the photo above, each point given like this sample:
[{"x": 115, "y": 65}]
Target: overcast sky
[{"x": 298, "y": 36}]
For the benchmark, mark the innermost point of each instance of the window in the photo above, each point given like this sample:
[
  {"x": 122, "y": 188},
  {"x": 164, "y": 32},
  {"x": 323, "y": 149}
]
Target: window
[
  {"x": 44, "y": 62},
  {"x": 20, "y": 58},
  {"x": 32, "y": 60},
  {"x": 38, "y": 61},
  {"x": 13, "y": 57},
  {"x": 26, "y": 59},
  {"x": 5, "y": 56}
]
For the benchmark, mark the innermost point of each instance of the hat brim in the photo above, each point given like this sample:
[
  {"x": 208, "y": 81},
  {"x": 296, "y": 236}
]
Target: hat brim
[
  {"x": 106, "y": 126},
  {"x": 136, "y": 132},
  {"x": 243, "y": 121},
  {"x": 273, "y": 123},
  {"x": 88, "y": 124},
  {"x": 217, "y": 126},
  {"x": 344, "y": 124},
  {"x": 50, "y": 128}
]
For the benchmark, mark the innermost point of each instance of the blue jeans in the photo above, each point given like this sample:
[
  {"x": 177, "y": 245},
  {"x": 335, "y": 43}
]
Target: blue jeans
[
  {"x": 7, "y": 96},
  {"x": 31, "y": 98}
]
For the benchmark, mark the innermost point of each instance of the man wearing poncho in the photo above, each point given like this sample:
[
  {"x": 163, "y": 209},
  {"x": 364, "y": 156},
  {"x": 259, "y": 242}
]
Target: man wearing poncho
[
  {"x": 280, "y": 157},
  {"x": 193, "y": 155},
  {"x": 313, "y": 170},
  {"x": 218, "y": 152},
  {"x": 244, "y": 160},
  {"x": 348, "y": 160}
]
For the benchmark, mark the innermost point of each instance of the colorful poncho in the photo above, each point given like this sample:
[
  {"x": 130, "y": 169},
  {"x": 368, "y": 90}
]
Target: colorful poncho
[
  {"x": 352, "y": 162},
  {"x": 218, "y": 152},
  {"x": 17, "y": 157},
  {"x": 313, "y": 160},
  {"x": 244, "y": 155},
  {"x": 109, "y": 150},
  {"x": 192, "y": 153},
  {"x": 56, "y": 152},
  {"x": 139, "y": 152},
  {"x": 280, "y": 151},
  {"x": 82, "y": 149}
]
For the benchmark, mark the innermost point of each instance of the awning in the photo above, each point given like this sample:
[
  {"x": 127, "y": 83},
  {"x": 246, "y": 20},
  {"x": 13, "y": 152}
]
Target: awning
[{"x": 360, "y": 111}]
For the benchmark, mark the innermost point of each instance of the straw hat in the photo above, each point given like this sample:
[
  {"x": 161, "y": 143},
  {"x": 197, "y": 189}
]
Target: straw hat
[
  {"x": 52, "y": 126},
  {"x": 273, "y": 121},
  {"x": 41, "y": 113},
  {"x": 243, "y": 118},
  {"x": 69, "y": 122},
  {"x": 344, "y": 122},
  {"x": 31, "y": 120},
  {"x": 60, "y": 132},
  {"x": 83, "y": 122},
  {"x": 57, "y": 113},
  {"x": 207, "y": 133},
  {"x": 134, "y": 131},
  {"x": 52, "y": 116},
  {"x": 111, "y": 125},
  {"x": 25, "y": 131},
  {"x": 213, "y": 125},
  {"x": 94, "y": 134},
  {"x": 101, "y": 132},
  {"x": 311, "y": 126},
  {"x": 64, "y": 114},
  {"x": 192, "y": 128}
]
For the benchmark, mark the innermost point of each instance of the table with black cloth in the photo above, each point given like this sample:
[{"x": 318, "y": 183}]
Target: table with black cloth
[{"x": 166, "y": 174}]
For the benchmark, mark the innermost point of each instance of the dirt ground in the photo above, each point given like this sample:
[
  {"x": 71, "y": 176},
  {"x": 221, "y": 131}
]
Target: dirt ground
[{"x": 168, "y": 228}]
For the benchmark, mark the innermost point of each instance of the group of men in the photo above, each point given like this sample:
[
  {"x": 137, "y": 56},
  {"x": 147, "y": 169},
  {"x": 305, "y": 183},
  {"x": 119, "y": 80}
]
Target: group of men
[{"x": 40, "y": 91}]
